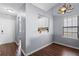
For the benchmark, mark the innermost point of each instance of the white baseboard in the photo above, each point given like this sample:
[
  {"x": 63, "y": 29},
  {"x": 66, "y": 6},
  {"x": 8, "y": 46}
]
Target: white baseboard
[
  {"x": 39, "y": 48},
  {"x": 16, "y": 42},
  {"x": 50, "y": 44},
  {"x": 6, "y": 43},
  {"x": 23, "y": 52},
  {"x": 21, "y": 49},
  {"x": 66, "y": 45}
]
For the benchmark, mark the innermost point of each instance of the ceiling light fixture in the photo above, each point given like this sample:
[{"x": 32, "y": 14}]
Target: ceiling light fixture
[
  {"x": 66, "y": 8},
  {"x": 11, "y": 11}
]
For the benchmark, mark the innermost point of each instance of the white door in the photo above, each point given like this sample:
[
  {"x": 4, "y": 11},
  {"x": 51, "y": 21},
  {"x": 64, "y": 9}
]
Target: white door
[{"x": 7, "y": 30}]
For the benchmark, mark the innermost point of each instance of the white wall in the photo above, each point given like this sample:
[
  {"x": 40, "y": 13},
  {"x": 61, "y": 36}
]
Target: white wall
[
  {"x": 34, "y": 40},
  {"x": 7, "y": 24}
]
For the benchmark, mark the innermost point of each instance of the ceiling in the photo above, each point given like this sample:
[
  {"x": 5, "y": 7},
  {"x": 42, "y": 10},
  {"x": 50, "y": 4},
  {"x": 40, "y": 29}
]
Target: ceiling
[
  {"x": 44, "y": 6},
  {"x": 12, "y": 8}
]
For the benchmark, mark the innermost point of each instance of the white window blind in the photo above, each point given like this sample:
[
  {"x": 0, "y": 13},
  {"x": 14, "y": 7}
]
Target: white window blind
[{"x": 70, "y": 27}]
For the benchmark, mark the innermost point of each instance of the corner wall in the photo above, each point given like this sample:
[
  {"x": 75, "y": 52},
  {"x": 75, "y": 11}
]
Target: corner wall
[
  {"x": 58, "y": 33},
  {"x": 34, "y": 40}
]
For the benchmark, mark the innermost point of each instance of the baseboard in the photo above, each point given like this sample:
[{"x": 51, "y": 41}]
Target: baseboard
[
  {"x": 23, "y": 52},
  {"x": 7, "y": 43},
  {"x": 16, "y": 43},
  {"x": 38, "y": 49},
  {"x": 48, "y": 45},
  {"x": 66, "y": 45},
  {"x": 21, "y": 49}
]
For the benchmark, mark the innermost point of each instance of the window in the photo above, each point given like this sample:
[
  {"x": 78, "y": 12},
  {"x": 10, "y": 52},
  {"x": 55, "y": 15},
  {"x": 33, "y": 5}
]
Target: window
[{"x": 70, "y": 27}]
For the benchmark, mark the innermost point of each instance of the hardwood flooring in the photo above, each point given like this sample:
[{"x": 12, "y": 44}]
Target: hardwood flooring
[
  {"x": 56, "y": 50},
  {"x": 8, "y": 49}
]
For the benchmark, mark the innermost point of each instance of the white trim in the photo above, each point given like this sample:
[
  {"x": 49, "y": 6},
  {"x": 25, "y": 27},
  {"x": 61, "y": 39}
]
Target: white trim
[
  {"x": 21, "y": 49},
  {"x": 50, "y": 44},
  {"x": 16, "y": 42},
  {"x": 23, "y": 52},
  {"x": 66, "y": 45},
  {"x": 39, "y": 48}
]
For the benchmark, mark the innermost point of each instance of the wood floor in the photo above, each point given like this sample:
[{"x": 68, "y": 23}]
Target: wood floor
[
  {"x": 8, "y": 49},
  {"x": 56, "y": 50}
]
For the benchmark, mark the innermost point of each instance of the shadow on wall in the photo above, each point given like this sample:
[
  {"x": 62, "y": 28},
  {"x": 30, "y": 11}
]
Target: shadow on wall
[{"x": 38, "y": 42}]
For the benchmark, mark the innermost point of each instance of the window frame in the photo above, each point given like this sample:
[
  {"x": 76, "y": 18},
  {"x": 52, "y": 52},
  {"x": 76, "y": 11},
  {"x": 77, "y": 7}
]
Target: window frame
[{"x": 66, "y": 26}]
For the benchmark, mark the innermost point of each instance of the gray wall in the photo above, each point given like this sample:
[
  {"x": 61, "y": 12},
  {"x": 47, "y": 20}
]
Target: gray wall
[
  {"x": 21, "y": 35},
  {"x": 58, "y": 33},
  {"x": 34, "y": 40}
]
